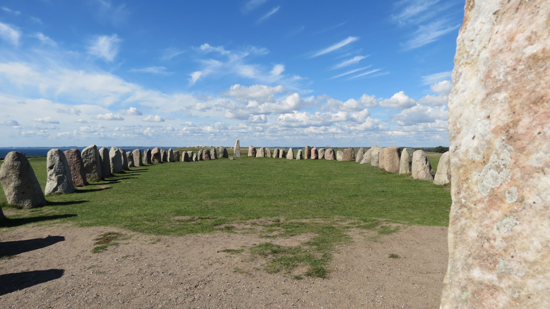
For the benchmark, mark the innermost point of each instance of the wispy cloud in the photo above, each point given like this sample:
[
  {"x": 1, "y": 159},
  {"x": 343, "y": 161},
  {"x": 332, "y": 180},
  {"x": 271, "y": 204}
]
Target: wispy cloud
[
  {"x": 252, "y": 5},
  {"x": 351, "y": 61},
  {"x": 105, "y": 47},
  {"x": 44, "y": 39},
  {"x": 436, "y": 77},
  {"x": 269, "y": 14},
  {"x": 410, "y": 9},
  {"x": 429, "y": 33},
  {"x": 336, "y": 46},
  {"x": 364, "y": 74},
  {"x": 109, "y": 117},
  {"x": 116, "y": 14},
  {"x": 170, "y": 53},
  {"x": 10, "y": 34},
  {"x": 153, "y": 70},
  {"x": 5, "y": 9},
  {"x": 351, "y": 72}
]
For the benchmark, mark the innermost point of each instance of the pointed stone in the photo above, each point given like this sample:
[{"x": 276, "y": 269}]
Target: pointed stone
[
  {"x": 147, "y": 159},
  {"x": 76, "y": 164},
  {"x": 237, "y": 149},
  {"x": 443, "y": 174},
  {"x": 375, "y": 156},
  {"x": 105, "y": 162},
  {"x": 275, "y": 153},
  {"x": 299, "y": 154},
  {"x": 290, "y": 154},
  {"x": 367, "y": 157},
  {"x": 92, "y": 163},
  {"x": 199, "y": 155},
  {"x": 130, "y": 156},
  {"x": 19, "y": 182},
  {"x": 59, "y": 179},
  {"x": 405, "y": 162},
  {"x": 115, "y": 160},
  {"x": 360, "y": 155}
]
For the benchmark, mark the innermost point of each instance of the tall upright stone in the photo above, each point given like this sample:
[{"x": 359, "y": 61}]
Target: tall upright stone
[
  {"x": 299, "y": 154},
  {"x": 339, "y": 155},
  {"x": 125, "y": 163},
  {"x": 382, "y": 158},
  {"x": 115, "y": 157},
  {"x": 375, "y": 156},
  {"x": 185, "y": 156},
  {"x": 405, "y": 162},
  {"x": 163, "y": 156},
  {"x": 329, "y": 154},
  {"x": 307, "y": 153},
  {"x": 199, "y": 155},
  {"x": 156, "y": 156},
  {"x": 195, "y": 157},
  {"x": 367, "y": 157},
  {"x": 78, "y": 174},
  {"x": 138, "y": 159},
  {"x": 391, "y": 159},
  {"x": 170, "y": 155},
  {"x": 147, "y": 159},
  {"x": 105, "y": 162},
  {"x": 260, "y": 153},
  {"x": 275, "y": 153},
  {"x": 223, "y": 152},
  {"x": 314, "y": 155},
  {"x": 360, "y": 154},
  {"x": 349, "y": 154},
  {"x": 19, "y": 182},
  {"x": 321, "y": 153},
  {"x": 290, "y": 154},
  {"x": 59, "y": 179},
  {"x": 251, "y": 151},
  {"x": 281, "y": 153},
  {"x": 421, "y": 168},
  {"x": 268, "y": 153},
  {"x": 206, "y": 155},
  {"x": 499, "y": 117},
  {"x": 130, "y": 157},
  {"x": 443, "y": 174},
  {"x": 190, "y": 154},
  {"x": 237, "y": 149},
  {"x": 176, "y": 156},
  {"x": 213, "y": 154},
  {"x": 92, "y": 163}
]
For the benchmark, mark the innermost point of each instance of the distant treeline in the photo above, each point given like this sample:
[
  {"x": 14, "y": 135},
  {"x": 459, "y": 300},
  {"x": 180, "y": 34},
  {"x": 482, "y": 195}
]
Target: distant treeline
[{"x": 438, "y": 149}]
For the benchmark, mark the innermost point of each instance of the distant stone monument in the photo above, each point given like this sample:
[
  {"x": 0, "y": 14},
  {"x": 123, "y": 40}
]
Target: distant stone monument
[
  {"x": 307, "y": 153},
  {"x": 251, "y": 151},
  {"x": 76, "y": 165},
  {"x": 115, "y": 158},
  {"x": 213, "y": 154},
  {"x": 329, "y": 154},
  {"x": 156, "y": 156},
  {"x": 405, "y": 162},
  {"x": 125, "y": 163},
  {"x": 339, "y": 155},
  {"x": 147, "y": 159},
  {"x": 349, "y": 154},
  {"x": 170, "y": 155},
  {"x": 290, "y": 154},
  {"x": 163, "y": 155},
  {"x": 176, "y": 156},
  {"x": 130, "y": 157},
  {"x": 299, "y": 154},
  {"x": 237, "y": 150},
  {"x": 443, "y": 174},
  {"x": 421, "y": 168},
  {"x": 275, "y": 153},
  {"x": 281, "y": 153},
  {"x": 260, "y": 153},
  {"x": 59, "y": 179},
  {"x": 206, "y": 155},
  {"x": 138, "y": 159},
  {"x": 199, "y": 155},
  {"x": 92, "y": 163},
  {"x": 321, "y": 153},
  {"x": 223, "y": 152},
  {"x": 185, "y": 156},
  {"x": 105, "y": 162},
  {"x": 314, "y": 154},
  {"x": 19, "y": 182},
  {"x": 268, "y": 153},
  {"x": 382, "y": 158},
  {"x": 367, "y": 157},
  {"x": 375, "y": 155},
  {"x": 360, "y": 155}
]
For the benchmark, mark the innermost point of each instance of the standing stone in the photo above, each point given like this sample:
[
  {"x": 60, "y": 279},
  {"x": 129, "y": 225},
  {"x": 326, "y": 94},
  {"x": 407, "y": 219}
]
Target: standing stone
[
  {"x": 176, "y": 156},
  {"x": 360, "y": 155},
  {"x": 125, "y": 164},
  {"x": 321, "y": 153},
  {"x": 329, "y": 154},
  {"x": 105, "y": 162},
  {"x": 137, "y": 157},
  {"x": 391, "y": 159},
  {"x": 237, "y": 150},
  {"x": 223, "y": 152},
  {"x": 367, "y": 157},
  {"x": 268, "y": 153},
  {"x": 206, "y": 155},
  {"x": 290, "y": 154},
  {"x": 92, "y": 163},
  {"x": 314, "y": 154},
  {"x": 163, "y": 156},
  {"x": 147, "y": 158},
  {"x": 195, "y": 157},
  {"x": 382, "y": 158},
  {"x": 190, "y": 154},
  {"x": 339, "y": 155},
  {"x": 19, "y": 182},
  {"x": 349, "y": 154},
  {"x": 251, "y": 151},
  {"x": 199, "y": 155},
  {"x": 299, "y": 154},
  {"x": 375, "y": 156},
  {"x": 275, "y": 153},
  {"x": 76, "y": 164},
  {"x": 213, "y": 154},
  {"x": 260, "y": 153},
  {"x": 307, "y": 152},
  {"x": 130, "y": 157},
  {"x": 405, "y": 163},
  {"x": 115, "y": 160},
  {"x": 281, "y": 153},
  {"x": 59, "y": 179},
  {"x": 170, "y": 155},
  {"x": 421, "y": 168},
  {"x": 156, "y": 155},
  {"x": 185, "y": 156},
  {"x": 499, "y": 228},
  {"x": 443, "y": 174}
]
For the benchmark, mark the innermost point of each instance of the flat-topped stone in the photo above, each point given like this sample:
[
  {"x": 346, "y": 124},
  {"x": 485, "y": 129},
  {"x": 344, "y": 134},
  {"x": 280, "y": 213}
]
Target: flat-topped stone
[
  {"x": 260, "y": 153},
  {"x": 156, "y": 155},
  {"x": 392, "y": 155},
  {"x": 138, "y": 159},
  {"x": 59, "y": 180},
  {"x": 349, "y": 154},
  {"x": 321, "y": 153},
  {"x": 19, "y": 182},
  {"x": 329, "y": 154},
  {"x": 92, "y": 163},
  {"x": 339, "y": 155},
  {"x": 76, "y": 165},
  {"x": 405, "y": 162},
  {"x": 105, "y": 162},
  {"x": 421, "y": 168},
  {"x": 176, "y": 156},
  {"x": 307, "y": 153},
  {"x": 115, "y": 160}
]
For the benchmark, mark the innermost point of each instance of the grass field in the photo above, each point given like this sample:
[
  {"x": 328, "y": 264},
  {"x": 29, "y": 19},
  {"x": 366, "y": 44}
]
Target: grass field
[{"x": 197, "y": 197}]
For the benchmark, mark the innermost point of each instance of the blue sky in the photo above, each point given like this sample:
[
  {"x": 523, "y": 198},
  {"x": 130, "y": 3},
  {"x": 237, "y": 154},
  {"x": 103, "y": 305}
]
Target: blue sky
[{"x": 268, "y": 72}]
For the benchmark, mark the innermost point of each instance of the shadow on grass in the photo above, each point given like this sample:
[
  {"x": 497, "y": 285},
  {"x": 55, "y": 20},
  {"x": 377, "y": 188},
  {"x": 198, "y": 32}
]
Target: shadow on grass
[
  {"x": 66, "y": 203},
  {"x": 22, "y": 221},
  {"x": 19, "y": 281},
  {"x": 91, "y": 190},
  {"x": 9, "y": 248}
]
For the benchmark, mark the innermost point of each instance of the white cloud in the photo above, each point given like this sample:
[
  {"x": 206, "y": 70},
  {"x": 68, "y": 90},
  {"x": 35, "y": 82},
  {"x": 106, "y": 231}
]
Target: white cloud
[
  {"x": 132, "y": 111},
  {"x": 365, "y": 74},
  {"x": 442, "y": 88},
  {"x": 153, "y": 70},
  {"x": 351, "y": 61},
  {"x": 399, "y": 100},
  {"x": 14, "y": 12},
  {"x": 170, "y": 53},
  {"x": 278, "y": 69},
  {"x": 46, "y": 120},
  {"x": 195, "y": 77},
  {"x": 429, "y": 33},
  {"x": 351, "y": 72},
  {"x": 269, "y": 14},
  {"x": 421, "y": 114},
  {"x": 436, "y": 77},
  {"x": 252, "y": 5},
  {"x": 261, "y": 93},
  {"x": 336, "y": 46},
  {"x": 369, "y": 101},
  {"x": 9, "y": 34},
  {"x": 45, "y": 39},
  {"x": 110, "y": 117},
  {"x": 152, "y": 118},
  {"x": 200, "y": 107},
  {"x": 108, "y": 12},
  {"x": 69, "y": 110},
  {"x": 105, "y": 47},
  {"x": 434, "y": 100},
  {"x": 413, "y": 9},
  {"x": 209, "y": 48}
]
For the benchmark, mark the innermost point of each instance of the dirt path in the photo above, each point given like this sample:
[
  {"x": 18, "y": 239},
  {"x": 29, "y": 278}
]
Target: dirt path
[{"x": 147, "y": 271}]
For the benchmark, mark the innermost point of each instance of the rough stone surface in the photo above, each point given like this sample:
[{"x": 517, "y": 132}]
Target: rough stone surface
[
  {"x": 349, "y": 154},
  {"x": 190, "y": 155},
  {"x": 105, "y": 162},
  {"x": 223, "y": 152},
  {"x": 392, "y": 156},
  {"x": 314, "y": 154},
  {"x": 170, "y": 155},
  {"x": 360, "y": 154},
  {"x": 59, "y": 179},
  {"x": 199, "y": 155},
  {"x": 206, "y": 154},
  {"x": 115, "y": 160},
  {"x": 163, "y": 156},
  {"x": 339, "y": 155},
  {"x": 260, "y": 153},
  {"x": 421, "y": 168},
  {"x": 213, "y": 154},
  {"x": 443, "y": 174},
  {"x": 130, "y": 156},
  {"x": 125, "y": 163},
  {"x": 499, "y": 229},
  {"x": 268, "y": 153},
  {"x": 251, "y": 151},
  {"x": 185, "y": 156},
  {"x": 281, "y": 153},
  {"x": 321, "y": 153},
  {"x": 237, "y": 150},
  {"x": 367, "y": 157},
  {"x": 307, "y": 153},
  {"x": 375, "y": 155},
  {"x": 195, "y": 157},
  {"x": 275, "y": 153},
  {"x": 329, "y": 154},
  {"x": 176, "y": 156},
  {"x": 290, "y": 154},
  {"x": 19, "y": 182},
  {"x": 299, "y": 154},
  {"x": 138, "y": 159},
  {"x": 156, "y": 156},
  {"x": 92, "y": 162},
  {"x": 147, "y": 158},
  {"x": 405, "y": 163},
  {"x": 76, "y": 164},
  {"x": 382, "y": 158}
]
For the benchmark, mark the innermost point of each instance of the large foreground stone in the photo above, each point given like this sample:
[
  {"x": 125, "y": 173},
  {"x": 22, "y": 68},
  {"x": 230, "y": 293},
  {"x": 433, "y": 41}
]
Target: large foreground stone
[
  {"x": 59, "y": 179},
  {"x": 391, "y": 159},
  {"x": 405, "y": 162},
  {"x": 92, "y": 163},
  {"x": 19, "y": 182},
  {"x": 105, "y": 162},
  {"x": 349, "y": 154},
  {"x": 421, "y": 168},
  {"x": 290, "y": 154},
  {"x": 237, "y": 149},
  {"x": 375, "y": 155},
  {"x": 499, "y": 117},
  {"x": 156, "y": 156},
  {"x": 138, "y": 159},
  {"x": 443, "y": 174},
  {"x": 321, "y": 153},
  {"x": 147, "y": 157},
  {"x": 76, "y": 166},
  {"x": 360, "y": 155},
  {"x": 115, "y": 157},
  {"x": 329, "y": 154}
]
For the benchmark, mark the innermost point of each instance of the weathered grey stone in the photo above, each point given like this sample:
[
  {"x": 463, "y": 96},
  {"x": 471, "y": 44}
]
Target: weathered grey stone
[
  {"x": 195, "y": 157},
  {"x": 176, "y": 156},
  {"x": 349, "y": 154},
  {"x": 290, "y": 154},
  {"x": 299, "y": 154},
  {"x": 314, "y": 154},
  {"x": 421, "y": 168},
  {"x": 281, "y": 153},
  {"x": 251, "y": 151},
  {"x": 130, "y": 157},
  {"x": 375, "y": 156},
  {"x": 156, "y": 156},
  {"x": 260, "y": 153},
  {"x": 268, "y": 153},
  {"x": 185, "y": 156},
  {"x": 59, "y": 179},
  {"x": 19, "y": 182},
  {"x": 237, "y": 150},
  {"x": 213, "y": 154},
  {"x": 405, "y": 162},
  {"x": 92, "y": 163},
  {"x": 105, "y": 162},
  {"x": 499, "y": 228},
  {"x": 138, "y": 159},
  {"x": 367, "y": 157},
  {"x": 125, "y": 164},
  {"x": 78, "y": 174},
  {"x": 115, "y": 160},
  {"x": 190, "y": 155},
  {"x": 360, "y": 154},
  {"x": 275, "y": 153},
  {"x": 147, "y": 159},
  {"x": 163, "y": 156},
  {"x": 307, "y": 153},
  {"x": 339, "y": 155},
  {"x": 382, "y": 158},
  {"x": 443, "y": 174},
  {"x": 199, "y": 155},
  {"x": 206, "y": 155},
  {"x": 223, "y": 152},
  {"x": 170, "y": 155},
  {"x": 329, "y": 154},
  {"x": 392, "y": 156},
  {"x": 321, "y": 153}
]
